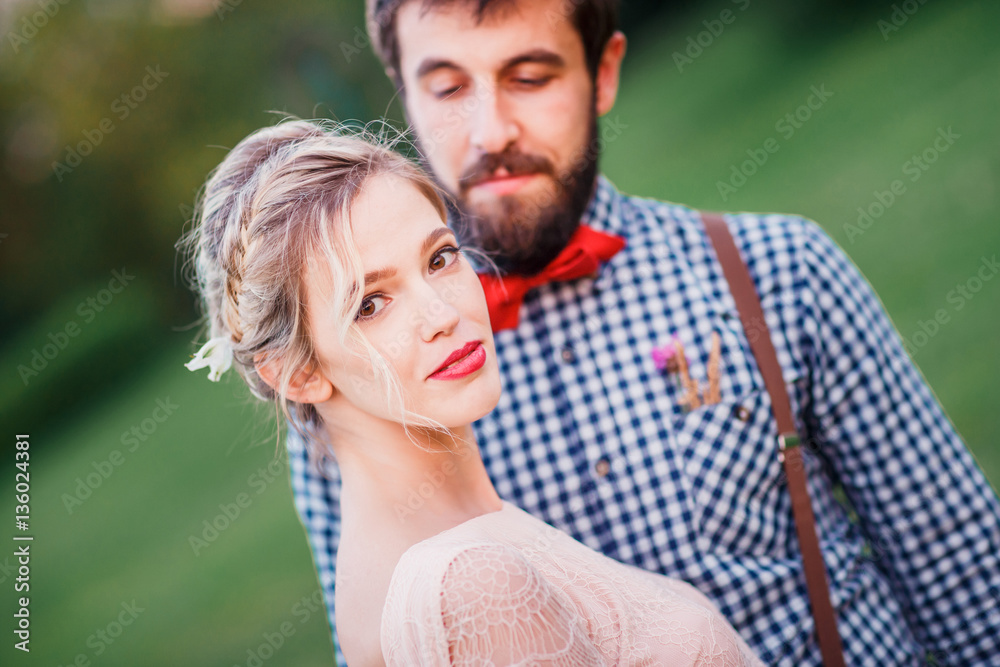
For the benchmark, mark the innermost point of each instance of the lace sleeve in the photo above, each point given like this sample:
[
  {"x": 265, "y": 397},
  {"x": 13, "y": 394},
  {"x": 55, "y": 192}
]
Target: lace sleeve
[
  {"x": 498, "y": 609},
  {"x": 483, "y": 604},
  {"x": 472, "y": 603}
]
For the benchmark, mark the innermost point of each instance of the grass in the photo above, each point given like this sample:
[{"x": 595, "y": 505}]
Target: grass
[{"x": 130, "y": 539}]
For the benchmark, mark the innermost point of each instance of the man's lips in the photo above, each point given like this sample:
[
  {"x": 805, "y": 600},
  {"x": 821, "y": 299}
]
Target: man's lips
[
  {"x": 468, "y": 358},
  {"x": 502, "y": 182}
]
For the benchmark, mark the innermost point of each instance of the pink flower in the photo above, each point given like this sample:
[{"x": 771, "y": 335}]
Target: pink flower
[{"x": 665, "y": 356}]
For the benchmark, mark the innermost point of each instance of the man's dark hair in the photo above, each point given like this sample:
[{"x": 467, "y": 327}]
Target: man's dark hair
[{"x": 595, "y": 21}]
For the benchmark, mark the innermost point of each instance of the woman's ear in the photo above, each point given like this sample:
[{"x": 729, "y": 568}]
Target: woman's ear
[{"x": 307, "y": 385}]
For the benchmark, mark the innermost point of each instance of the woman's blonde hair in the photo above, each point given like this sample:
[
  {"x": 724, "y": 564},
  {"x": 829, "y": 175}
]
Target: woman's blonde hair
[{"x": 278, "y": 203}]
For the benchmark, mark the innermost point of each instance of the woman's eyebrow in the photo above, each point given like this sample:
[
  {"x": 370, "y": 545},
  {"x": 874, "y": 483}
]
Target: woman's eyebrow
[
  {"x": 382, "y": 274},
  {"x": 432, "y": 238},
  {"x": 377, "y": 275}
]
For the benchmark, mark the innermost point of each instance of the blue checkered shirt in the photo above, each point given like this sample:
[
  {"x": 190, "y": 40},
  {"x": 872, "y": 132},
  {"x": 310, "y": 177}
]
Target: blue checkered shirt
[{"x": 591, "y": 437}]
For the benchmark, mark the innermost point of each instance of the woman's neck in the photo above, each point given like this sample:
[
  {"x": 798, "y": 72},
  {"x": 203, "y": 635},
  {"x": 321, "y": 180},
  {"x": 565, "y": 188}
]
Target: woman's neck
[
  {"x": 395, "y": 494},
  {"x": 414, "y": 485}
]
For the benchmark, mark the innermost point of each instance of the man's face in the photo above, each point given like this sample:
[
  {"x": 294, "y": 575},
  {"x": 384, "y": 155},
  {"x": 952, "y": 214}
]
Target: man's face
[{"x": 505, "y": 113}]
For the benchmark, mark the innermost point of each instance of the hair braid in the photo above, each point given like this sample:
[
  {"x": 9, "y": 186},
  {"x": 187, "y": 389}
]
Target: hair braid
[{"x": 234, "y": 277}]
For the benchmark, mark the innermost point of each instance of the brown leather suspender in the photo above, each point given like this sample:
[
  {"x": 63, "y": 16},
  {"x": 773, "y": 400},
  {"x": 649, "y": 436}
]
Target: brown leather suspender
[{"x": 790, "y": 453}]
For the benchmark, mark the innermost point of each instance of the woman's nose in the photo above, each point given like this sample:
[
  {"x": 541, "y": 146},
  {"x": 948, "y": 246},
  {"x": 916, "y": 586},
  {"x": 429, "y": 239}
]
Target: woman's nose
[{"x": 439, "y": 316}]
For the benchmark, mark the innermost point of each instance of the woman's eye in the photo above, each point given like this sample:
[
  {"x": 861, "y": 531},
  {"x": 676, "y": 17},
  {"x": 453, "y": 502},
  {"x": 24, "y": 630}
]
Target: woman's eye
[
  {"x": 370, "y": 305},
  {"x": 444, "y": 258}
]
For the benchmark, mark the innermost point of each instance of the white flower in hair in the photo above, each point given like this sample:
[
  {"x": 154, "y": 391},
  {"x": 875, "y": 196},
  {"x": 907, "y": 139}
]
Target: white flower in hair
[{"x": 217, "y": 354}]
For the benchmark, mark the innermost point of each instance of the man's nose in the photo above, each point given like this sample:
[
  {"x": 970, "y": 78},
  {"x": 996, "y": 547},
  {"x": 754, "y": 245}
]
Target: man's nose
[{"x": 493, "y": 125}]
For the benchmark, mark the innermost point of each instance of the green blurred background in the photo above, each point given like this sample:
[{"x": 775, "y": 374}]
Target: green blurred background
[{"x": 114, "y": 529}]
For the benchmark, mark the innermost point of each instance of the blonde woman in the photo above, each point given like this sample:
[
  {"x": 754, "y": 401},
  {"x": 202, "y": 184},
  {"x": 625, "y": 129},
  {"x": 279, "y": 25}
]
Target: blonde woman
[{"x": 334, "y": 287}]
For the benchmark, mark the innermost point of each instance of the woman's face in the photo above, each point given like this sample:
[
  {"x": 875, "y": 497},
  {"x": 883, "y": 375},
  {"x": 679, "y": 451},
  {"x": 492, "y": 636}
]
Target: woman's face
[{"x": 423, "y": 311}]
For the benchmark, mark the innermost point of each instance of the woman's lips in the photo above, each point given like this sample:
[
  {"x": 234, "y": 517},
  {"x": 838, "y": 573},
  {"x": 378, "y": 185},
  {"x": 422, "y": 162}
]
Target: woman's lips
[{"x": 467, "y": 360}]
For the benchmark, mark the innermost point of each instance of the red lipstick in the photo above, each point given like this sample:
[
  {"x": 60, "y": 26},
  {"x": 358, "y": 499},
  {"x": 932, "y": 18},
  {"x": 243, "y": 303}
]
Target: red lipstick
[{"x": 466, "y": 360}]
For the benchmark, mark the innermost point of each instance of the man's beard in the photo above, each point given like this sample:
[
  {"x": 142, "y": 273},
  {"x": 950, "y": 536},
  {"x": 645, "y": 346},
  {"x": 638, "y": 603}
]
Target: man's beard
[{"x": 523, "y": 237}]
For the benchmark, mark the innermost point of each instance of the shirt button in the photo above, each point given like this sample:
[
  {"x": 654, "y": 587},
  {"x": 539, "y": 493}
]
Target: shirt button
[
  {"x": 743, "y": 413},
  {"x": 602, "y": 467},
  {"x": 568, "y": 355}
]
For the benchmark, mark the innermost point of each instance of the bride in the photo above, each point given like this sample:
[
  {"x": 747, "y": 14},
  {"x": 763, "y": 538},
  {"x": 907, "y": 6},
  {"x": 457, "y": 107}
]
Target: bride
[{"x": 334, "y": 287}]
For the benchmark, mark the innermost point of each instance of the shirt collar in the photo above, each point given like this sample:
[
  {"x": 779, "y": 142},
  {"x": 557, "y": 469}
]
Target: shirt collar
[{"x": 604, "y": 212}]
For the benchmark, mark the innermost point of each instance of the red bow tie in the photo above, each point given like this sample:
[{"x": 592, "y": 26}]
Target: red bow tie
[{"x": 583, "y": 255}]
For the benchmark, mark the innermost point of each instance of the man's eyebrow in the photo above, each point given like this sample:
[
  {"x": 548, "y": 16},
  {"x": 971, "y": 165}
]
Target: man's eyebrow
[
  {"x": 539, "y": 56},
  {"x": 434, "y": 64},
  {"x": 381, "y": 274}
]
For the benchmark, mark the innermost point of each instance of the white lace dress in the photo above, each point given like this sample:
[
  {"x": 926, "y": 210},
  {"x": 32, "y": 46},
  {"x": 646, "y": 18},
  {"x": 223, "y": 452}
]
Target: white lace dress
[{"x": 505, "y": 588}]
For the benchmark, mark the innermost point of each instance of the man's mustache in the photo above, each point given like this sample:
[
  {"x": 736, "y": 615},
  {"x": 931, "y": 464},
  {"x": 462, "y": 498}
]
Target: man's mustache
[{"x": 513, "y": 161}]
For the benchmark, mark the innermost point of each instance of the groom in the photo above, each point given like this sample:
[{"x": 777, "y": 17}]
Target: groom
[{"x": 634, "y": 415}]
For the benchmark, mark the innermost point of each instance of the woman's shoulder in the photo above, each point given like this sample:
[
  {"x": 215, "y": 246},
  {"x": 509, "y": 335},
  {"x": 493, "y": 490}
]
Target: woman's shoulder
[
  {"x": 450, "y": 562},
  {"x": 483, "y": 600},
  {"x": 442, "y": 580}
]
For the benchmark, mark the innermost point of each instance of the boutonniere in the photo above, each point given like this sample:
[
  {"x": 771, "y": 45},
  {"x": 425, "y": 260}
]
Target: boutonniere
[
  {"x": 665, "y": 356},
  {"x": 670, "y": 359}
]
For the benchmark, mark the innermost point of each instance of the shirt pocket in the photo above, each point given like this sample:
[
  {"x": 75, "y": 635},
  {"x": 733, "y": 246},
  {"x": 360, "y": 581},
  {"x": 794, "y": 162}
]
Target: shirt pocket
[{"x": 729, "y": 461}]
